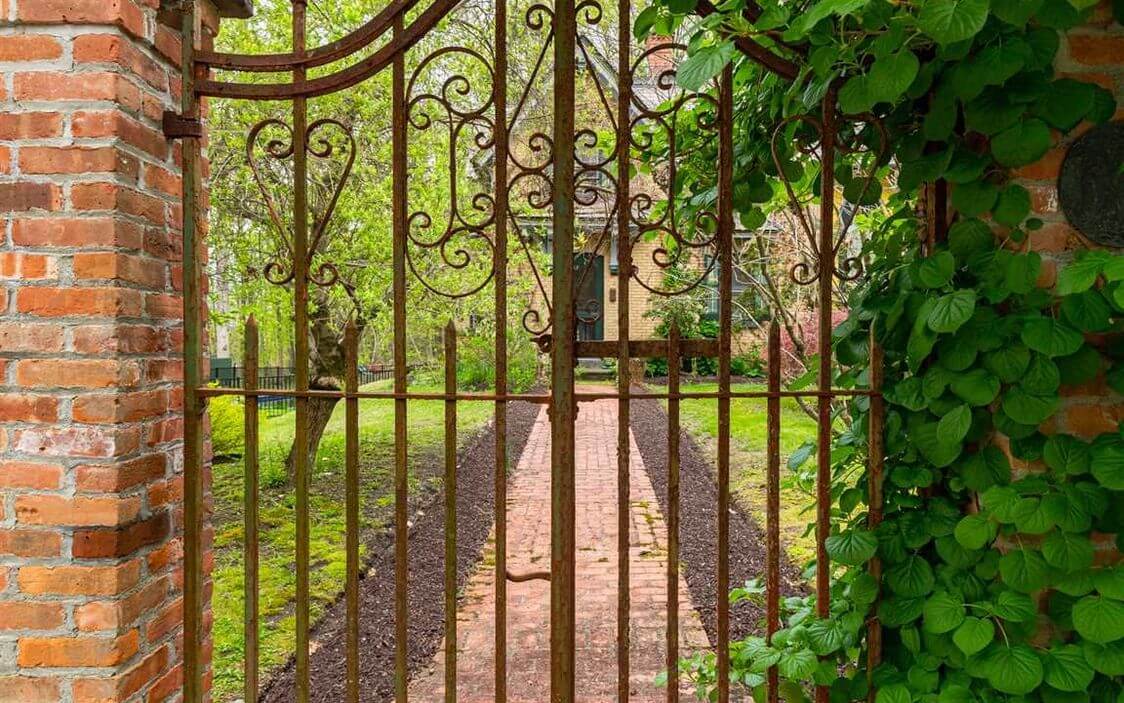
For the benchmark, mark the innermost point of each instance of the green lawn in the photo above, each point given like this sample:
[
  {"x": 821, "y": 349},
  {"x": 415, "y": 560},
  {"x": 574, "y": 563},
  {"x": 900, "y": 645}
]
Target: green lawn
[
  {"x": 277, "y": 533},
  {"x": 748, "y": 433}
]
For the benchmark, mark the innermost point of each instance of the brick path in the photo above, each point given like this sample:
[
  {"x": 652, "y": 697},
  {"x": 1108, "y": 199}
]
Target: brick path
[{"x": 528, "y": 520}]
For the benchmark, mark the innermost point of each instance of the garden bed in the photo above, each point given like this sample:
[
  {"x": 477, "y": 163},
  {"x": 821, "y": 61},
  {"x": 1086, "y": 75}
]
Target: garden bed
[{"x": 475, "y": 510}]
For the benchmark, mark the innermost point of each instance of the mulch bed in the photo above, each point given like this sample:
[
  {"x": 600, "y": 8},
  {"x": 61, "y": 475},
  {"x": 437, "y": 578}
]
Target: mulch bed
[
  {"x": 475, "y": 505},
  {"x": 698, "y": 541}
]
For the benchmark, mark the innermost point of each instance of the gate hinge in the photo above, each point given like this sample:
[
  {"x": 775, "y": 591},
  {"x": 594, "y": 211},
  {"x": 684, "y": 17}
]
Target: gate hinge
[{"x": 176, "y": 126}]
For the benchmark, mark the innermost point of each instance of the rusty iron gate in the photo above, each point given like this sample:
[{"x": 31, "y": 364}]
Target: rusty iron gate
[{"x": 382, "y": 44}]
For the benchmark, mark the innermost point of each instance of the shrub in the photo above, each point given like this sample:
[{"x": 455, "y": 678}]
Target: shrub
[{"x": 227, "y": 429}]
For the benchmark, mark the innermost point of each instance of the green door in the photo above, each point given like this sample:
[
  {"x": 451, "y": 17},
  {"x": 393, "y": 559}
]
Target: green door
[{"x": 589, "y": 303}]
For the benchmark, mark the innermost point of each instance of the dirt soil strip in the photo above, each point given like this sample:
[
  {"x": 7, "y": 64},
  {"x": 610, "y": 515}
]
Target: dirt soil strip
[
  {"x": 698, "y": 551},
  {"x": 475, "y": 503}
]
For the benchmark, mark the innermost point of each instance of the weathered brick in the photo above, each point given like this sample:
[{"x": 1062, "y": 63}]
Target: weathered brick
[
  {"x": 21, "y": 407},
  {"x": 26, "y": 267},
  {"x": 28, "y": 474},
  {"x": 123, "y": 613},
  {"x": 1096, "y": 49},
  {"x": 78, "y": 580},
  {"x": 77, "y": 373},
  {"x": 30, "y": 125},
  {"x": 29, "y": 47},
  {"x": 124, "y": 339},
  {"x": 167, "y": 620},
  {"x": 75, "y": 441},
  {"x": 56, "y": 86},
  {"x": 78, "y": 159},
  {"x": 163, "y": 306},
  {"x": 29, "y": 689},
  {"x": 167, "y": 685},
  {"x": 121, "y": 541},
  {"x": 122, "y": 13},
  {"x": 87, "y": 232},
  {"x": 141, "y": 270},
  {"x": 111, "y": 48},
  {"x": 81, "y": 651},
  {"x": 25, "y": 196},
  {"x": 30, "y": 543},
  {"x": 113, "y": 123},
  {"x": 77, "y": 511},
  {"x": 66, "y": 302},
  {"x": 30, "y": 615},
  {"x": 34, "y": 337},
  {"x": 121, "y": 407},
  {"x": 117, "y": 198}
]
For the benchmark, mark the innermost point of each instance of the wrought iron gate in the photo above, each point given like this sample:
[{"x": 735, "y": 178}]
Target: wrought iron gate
[{"x": 559, "y": 167}]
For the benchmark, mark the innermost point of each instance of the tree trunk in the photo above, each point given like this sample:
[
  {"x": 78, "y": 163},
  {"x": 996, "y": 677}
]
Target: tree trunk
[{"x": 326, "y": 373}]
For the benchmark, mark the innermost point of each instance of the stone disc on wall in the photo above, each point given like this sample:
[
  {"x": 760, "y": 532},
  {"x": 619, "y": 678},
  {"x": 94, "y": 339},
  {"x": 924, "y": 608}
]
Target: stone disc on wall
[{"x": 1091, "y": 184}]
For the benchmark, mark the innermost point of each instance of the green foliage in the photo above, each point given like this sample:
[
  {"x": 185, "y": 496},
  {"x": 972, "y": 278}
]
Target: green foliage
[
  {"x": 974, "y": 351},
  {"x": 227, "y": 426}
]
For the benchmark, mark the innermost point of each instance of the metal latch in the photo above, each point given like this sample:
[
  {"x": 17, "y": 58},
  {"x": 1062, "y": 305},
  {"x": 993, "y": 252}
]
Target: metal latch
[{"x": 176, "y": 126}]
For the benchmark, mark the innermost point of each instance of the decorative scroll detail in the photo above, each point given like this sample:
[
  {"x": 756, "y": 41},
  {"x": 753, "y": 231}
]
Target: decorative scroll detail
[
  {"x": 280, "y": 270},
  {"x": 684, "y": 241},
  {"x": 849, "y": 268},
  {"x": 461, "y": 235}
]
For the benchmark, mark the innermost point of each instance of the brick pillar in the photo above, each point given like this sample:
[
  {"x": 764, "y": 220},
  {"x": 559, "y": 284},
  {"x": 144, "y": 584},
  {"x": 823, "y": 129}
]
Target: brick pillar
[{"x": 90, "y": 337}]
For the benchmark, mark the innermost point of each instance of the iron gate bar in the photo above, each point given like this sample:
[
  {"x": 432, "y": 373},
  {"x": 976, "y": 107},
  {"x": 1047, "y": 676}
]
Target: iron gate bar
[
  {"x": 499, "y": 138},
  {"x": 826, "y": 269},
  {"x": 725, "y": 332},
  {"x": 193, "y": 636},
  {"x": 773, "y": 504},
  {"x": 401, "y": 524},
  {"x": 250, "y": 469},
  {"x": 351, "y": 484},
  {"x": 672, "y": 653},
  {"x": 580, "y": 396},
  {"x": 875, "y": 461},
  {"x": 563, "y": 406},
  {"x": 450, "y": 488}
]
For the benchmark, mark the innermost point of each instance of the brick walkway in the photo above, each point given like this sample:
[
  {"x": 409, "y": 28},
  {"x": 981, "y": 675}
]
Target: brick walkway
[{"x": 528, "y": 520}]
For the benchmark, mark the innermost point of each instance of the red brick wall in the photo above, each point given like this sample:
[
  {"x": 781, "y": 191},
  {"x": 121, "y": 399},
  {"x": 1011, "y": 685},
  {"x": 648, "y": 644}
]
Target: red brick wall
[
  {"x": 90, "y": 334},
  {"x": 1094, "y": 53}
]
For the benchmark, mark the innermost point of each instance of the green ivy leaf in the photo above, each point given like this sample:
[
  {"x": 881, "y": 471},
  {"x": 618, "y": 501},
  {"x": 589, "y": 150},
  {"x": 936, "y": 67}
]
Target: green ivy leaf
[
  {"x": 704, "y": 64},
  {"x": 1067, "y": 551},
  {"x": 1088, "y": 311},
  {"x": 911, "y": 578},
  {"x": 1099, "y": 619},
  {"x": 943, "y": 612},
  {"x": 1066, "y": 103},
  {"x": 1014, "y": 607},
  {"x": 797, "y": 663},
  {"x": 927, "y": 440},
  {"x": 1051, "y": 337},
  {"x": 1042, "y": 376},
  {"x": 974, "y": 531},
  {"x": 1066, "y": 455},
  {"x": 974, "y": 198},
  {"x": 970, "y": 237},
  {"x": 936, "y": 271},
  {"x": 1080, "y": 274},
  {"x": 977, "y": 387},
  {"x": 951, "y": 21},
  {"x": 1016, "y": 12},
  {"x": 1016, "y": 670},
  {"x": 1009, "y": 363},
  {"x": 825, "y": 636},
  {"x": 852, "y": 547},
  {"x": 973, "y": 635},
  {"x": 813, "y": 15},
  {"x": 1107, "y": 464},
  {"x": 954, "y": 426},
  {"x": 1027, "y": 409},
  {"x": 1013, "y": 206},
  {"x": 894, "y": 693},
  {"x": 1109, "y": 581},
  {"x": 1080, "y": 367},
  {"x": 1066, "y": 668},
  {"x": 952, "y": 310},
  {"x": 1024, "y": 570},
  {"x": 1107, "y": 659},
  {"x": 898, "y": 610},
  {"x": 1022, "y": 144}
]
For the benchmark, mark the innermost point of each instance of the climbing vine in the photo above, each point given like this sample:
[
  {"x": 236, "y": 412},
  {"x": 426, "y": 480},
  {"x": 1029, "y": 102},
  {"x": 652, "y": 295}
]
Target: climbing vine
[{"x": 992, "y": 588}]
